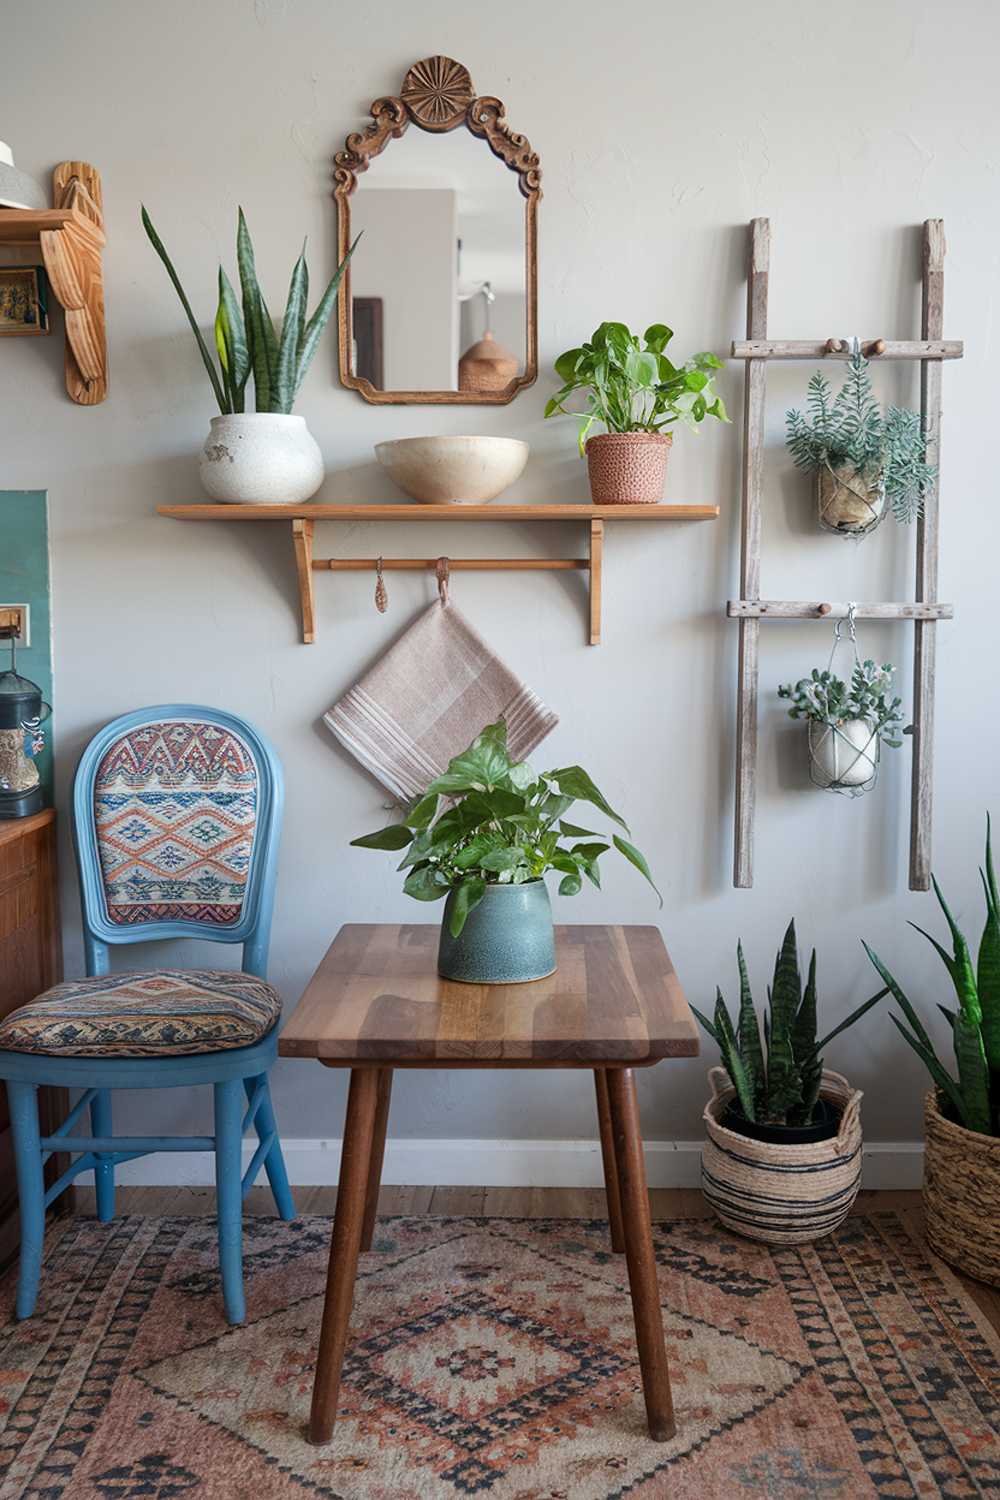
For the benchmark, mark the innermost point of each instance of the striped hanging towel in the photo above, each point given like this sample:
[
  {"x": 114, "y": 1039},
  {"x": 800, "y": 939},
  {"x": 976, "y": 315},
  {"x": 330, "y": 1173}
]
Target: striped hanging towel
[{"x": 427, "y": 699}]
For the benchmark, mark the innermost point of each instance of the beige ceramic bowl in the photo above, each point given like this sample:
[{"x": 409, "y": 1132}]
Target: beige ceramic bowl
[{"x": 453, "y": 470}]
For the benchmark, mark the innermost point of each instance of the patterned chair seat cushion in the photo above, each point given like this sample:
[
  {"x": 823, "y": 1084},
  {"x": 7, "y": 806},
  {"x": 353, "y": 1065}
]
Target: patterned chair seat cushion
[{"x": 163, "y": 1013}]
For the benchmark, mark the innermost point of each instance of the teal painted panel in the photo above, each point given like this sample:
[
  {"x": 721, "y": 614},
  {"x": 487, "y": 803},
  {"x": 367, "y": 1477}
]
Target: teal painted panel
[{"x": 24, "y": 579}]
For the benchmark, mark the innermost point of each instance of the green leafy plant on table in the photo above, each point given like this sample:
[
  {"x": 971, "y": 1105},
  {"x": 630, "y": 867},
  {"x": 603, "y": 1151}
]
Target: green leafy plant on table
[
  {"x": 246, "y": 340},
  {"x": 490, "y": 820},
  {"x": 850, "y": 433},
  {"x": 777, "y": 1080},
  {"x": 972, "y": 1098},
  {"x": 631, "y": 385}
]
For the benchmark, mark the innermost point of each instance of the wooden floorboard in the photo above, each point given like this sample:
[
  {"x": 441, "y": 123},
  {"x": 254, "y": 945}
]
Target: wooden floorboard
[{"x": 503, "y": 1203}]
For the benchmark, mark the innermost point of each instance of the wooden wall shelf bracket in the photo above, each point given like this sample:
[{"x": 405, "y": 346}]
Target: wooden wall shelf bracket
[
  {"x": 71, "y": 239},
  {"x": 303, "y": 519},
  {"x": 924, "y": 610}
]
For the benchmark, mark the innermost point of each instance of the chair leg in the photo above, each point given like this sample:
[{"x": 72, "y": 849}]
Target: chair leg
[
  {"x": 608, "y": 1158},
  {"x": 378, "y": 1155},
  {"x": 104, "y": 1172},
  {"x": 639, "y": 1254},
  {"x": 229, "y": 1195},
  {"x": 23, "y": 1106},
  {"x": 274, "y": 1162}
]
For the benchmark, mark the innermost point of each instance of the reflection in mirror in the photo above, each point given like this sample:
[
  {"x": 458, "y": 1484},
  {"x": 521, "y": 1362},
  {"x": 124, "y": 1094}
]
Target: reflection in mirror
[{"x": 438, "y": 282}]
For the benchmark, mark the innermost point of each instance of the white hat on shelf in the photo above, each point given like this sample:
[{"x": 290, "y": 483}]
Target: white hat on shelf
[{"x": 17, "y": 189}]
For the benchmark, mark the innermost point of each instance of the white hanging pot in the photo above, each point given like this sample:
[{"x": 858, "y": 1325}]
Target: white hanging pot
[
  {"x": 843, "y": 754},
  {"x": 268, "y": 458}
]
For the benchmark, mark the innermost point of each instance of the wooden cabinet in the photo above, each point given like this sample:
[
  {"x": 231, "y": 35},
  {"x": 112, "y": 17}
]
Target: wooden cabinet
[{"x": 30, "y": 961}]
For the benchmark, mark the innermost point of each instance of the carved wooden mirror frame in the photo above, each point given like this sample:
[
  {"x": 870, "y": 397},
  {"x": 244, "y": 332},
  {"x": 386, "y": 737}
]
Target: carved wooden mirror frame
[{"x": 438, "y": 95}]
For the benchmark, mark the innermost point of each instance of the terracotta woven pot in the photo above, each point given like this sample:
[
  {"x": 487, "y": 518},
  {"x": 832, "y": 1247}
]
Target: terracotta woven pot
[
  {"x": 962, "y": 1195},
  {"x": 782, "y": 1194},
  {"x": 628, "y": 468}
]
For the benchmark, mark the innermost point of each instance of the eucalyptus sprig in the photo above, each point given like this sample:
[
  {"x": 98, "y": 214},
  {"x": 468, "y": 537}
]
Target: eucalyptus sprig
[
  {"x": 489, "y": 820},
  {"x": 826, "y": 698},
  {"x": 246, "y": 340},
  {"x": 631, "y": 385}
]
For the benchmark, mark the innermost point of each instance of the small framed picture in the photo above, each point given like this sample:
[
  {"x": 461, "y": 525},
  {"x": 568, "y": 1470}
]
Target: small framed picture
[{"x": 24, "y": 301}]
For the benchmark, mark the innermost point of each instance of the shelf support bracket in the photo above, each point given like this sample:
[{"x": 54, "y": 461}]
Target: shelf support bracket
[
  {"x": 596, "y": 561},
  {"x": 72, "y": 256},
  {"x": 302, "y": 539}
]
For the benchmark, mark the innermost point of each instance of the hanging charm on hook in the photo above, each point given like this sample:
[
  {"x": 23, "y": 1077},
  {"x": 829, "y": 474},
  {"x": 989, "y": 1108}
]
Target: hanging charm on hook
[
  {"x": 381, "y": 592},
  {"x": 443, "y": 570}
]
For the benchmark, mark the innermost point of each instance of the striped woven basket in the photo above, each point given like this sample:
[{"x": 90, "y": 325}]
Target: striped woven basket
[
  {"x": 962, "y": 1195},
  {"x": 783, "y": 1195}
]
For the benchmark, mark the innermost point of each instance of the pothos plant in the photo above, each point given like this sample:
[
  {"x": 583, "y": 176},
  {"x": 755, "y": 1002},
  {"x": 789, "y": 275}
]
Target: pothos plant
[
  {"x": 825, "y": 698},
  {"x": 631, "y": 385},
  {"x": 851, "y": 430},
  {"x": 489, "y": 820}
]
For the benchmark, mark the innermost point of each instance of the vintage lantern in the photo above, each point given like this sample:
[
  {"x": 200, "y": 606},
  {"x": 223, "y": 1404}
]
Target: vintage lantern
[{"x": 23, "y": 710}]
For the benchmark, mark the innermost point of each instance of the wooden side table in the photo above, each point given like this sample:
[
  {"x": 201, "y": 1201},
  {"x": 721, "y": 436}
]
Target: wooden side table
[{"x": 376, "y": 1003}]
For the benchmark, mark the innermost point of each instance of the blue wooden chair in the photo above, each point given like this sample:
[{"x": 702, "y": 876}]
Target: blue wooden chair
[{"x": 177, "y": 813}]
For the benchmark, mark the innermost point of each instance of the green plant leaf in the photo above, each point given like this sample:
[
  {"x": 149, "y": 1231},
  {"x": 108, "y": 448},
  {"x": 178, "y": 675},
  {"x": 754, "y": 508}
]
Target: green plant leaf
[
  {"x": 420, "y": 813},
  {"x": 255, "y": 317},
  {"x": 497, "y": 861},
  {"x": 575, "y": 783},
  {"x": 396, "y": 836},
  {"x": 314, "y": 328},
  {"x": 942, "y": 1078},
  {"x": 657, "y": 337},
  {"x": 732, "y": 1059},
  {"x": 634, "y": 857},
  {"x": 572, "y": 831},
  {"x": 427, "y": 884},
  {"x": 234, "y": 334},
  {"x": 292, "y": 328},
  {"x": 467, "y": 895},
  {"x": 988, "y": 962},
  {"x": 854, "y": 1016},
  {"x": 961, "y": 967},
  {"x": 570, "y": 885},
  {"x": 158, "y": 246},
  {"x": 748, "y": 1036}
]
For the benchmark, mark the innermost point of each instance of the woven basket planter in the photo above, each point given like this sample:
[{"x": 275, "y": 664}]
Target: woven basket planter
[
  {"x": 628, "y": 468},
  {"x": 962, "y": 1195},
  {"x": 782, "y": 1194}
]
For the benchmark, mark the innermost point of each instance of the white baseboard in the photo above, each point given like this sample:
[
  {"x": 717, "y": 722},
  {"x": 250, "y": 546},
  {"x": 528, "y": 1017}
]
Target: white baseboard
[{"x": 489, "y": 1163}]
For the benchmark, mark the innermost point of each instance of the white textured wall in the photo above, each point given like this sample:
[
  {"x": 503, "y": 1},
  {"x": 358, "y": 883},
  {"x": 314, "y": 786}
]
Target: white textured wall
[{"x": 660, "y": 136}]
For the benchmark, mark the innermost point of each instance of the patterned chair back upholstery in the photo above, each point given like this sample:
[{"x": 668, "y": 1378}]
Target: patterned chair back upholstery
[{"x": 176, "y": 806}]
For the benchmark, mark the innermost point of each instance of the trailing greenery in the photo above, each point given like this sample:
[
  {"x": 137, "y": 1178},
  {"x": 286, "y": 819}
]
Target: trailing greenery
[
  {"x": 851, "y": 430},
  {"x": 828, "y": 699},
  {"x": 777, "y": 1081},
  {"x": 493, "y": 821},
  {"x": 245, "y": 339},
  {"x": 632, "y": 386},
  {"x": 973, "y": 1098}
]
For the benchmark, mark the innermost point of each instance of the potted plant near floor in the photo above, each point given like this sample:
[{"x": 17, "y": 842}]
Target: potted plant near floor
[
  {"x": 782, "y": 1158},
  {"x": 962, "y": 1113},
  {"x": 863, "y": 461},
  {"x": 847, "y": 722},
  {"x": 636, "y": 393},
  {"x": 266, "y": 455},
  {"x": 483, "y": 836}
]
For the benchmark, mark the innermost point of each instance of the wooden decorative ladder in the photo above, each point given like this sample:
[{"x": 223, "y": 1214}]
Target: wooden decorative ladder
[{"x": 930, "y": 349}]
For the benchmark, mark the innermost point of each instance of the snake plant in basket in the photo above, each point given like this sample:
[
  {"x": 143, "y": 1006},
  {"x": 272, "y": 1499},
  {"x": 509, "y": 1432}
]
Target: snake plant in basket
[
  {"x": 962, "y": 1116},
  {"x": 782, "y": 1162},
  {"x": 482, "y": 836},
  {"x": 267, "y": 455}
]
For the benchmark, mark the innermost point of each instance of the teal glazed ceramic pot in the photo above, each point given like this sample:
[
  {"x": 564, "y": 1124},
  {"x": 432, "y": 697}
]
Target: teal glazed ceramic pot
[{"x": 507, "y": 939}]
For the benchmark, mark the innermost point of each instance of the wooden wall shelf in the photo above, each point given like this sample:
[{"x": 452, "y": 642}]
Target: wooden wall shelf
[
  {"x": 71, "y": 239},
  {"x": 303, "y": 518}
]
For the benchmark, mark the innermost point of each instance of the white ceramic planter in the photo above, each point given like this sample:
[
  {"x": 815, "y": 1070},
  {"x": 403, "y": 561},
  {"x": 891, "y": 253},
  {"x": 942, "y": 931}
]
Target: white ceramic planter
[
  {"x": 262, "y": 457},
  {"x": 846, "y": 755}
]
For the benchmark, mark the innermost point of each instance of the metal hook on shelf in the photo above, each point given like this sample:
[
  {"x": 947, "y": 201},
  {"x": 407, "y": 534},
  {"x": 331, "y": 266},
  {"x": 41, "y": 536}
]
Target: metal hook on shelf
[{"x": 443, "y": 570}]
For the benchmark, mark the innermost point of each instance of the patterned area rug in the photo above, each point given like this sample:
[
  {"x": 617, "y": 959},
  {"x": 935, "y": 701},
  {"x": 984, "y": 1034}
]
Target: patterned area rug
[{"x": 495, "y": 1357}]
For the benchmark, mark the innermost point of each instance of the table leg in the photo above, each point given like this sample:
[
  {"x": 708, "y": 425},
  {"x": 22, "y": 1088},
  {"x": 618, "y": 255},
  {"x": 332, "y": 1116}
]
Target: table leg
[
  {"x": 377, "y": 1155},
  {"x": 345, "y": 1244},
  {"x": 608, "y": 1157},
  {"x": 639, "y": 1254}
]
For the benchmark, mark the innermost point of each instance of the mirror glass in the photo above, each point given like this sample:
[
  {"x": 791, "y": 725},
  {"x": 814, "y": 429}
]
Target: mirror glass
[{"x": 438, "y": 282}]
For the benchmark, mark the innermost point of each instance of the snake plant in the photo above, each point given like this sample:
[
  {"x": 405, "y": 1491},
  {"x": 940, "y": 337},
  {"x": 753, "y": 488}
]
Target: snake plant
[
  {"x": 777, "y": 1082},
  {"x": 246, "y": 340},
  {"x": 973, "y": 1098}
]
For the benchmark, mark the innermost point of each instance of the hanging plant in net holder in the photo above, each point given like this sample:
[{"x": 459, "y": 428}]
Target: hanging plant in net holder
[{"x": 847, "y": 721}]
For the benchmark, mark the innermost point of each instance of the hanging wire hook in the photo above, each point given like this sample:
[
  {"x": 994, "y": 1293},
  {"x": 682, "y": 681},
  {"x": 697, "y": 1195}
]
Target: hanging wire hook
[{"x": 443, "y": 571}]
